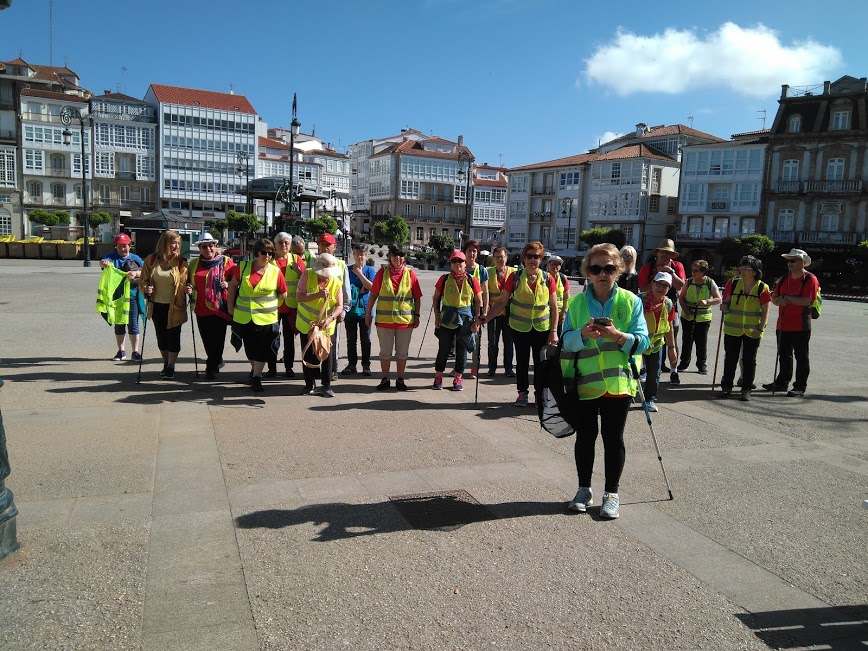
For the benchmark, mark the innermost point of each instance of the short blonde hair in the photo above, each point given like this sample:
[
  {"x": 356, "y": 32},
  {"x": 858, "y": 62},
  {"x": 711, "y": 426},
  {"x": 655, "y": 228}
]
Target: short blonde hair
[{"x": 608, "y": 250}]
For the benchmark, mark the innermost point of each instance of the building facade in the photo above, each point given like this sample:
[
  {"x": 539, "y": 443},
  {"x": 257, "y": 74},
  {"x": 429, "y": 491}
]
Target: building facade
[
  {"x": 489, "y": 204},
  {"x": 815, "y": 196},
  {"x": 205, "y": 137}
]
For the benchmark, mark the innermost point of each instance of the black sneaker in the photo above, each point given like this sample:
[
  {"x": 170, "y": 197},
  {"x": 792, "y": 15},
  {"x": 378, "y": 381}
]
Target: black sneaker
[
  {"x": 400, "y": 386},
  {"x": 349, "y": 370},
  {"x": 210, "y": 375},
  {"x": 384, "y": 384},
  {"x": 366, "y": 371},
  {"x": 290, "y": 373},
  {"x": 257, "y": 385},
  {"x": 119, "y": 356},
  {"x": 137, "y": 356},
  {"x": 510, "y": 373},
  {"x": 271, "y": 373},
  {"x": 771, "y": 387},
  {"x": 164, "y": 370},
  {"x": 683, "y": 367},
  {"x": 491, "y": 373},
  {"x": 674, "y": 379},
  {"x": 745, "y": 395},
  {"x": 702, "y": 370},
  {"x": 169, "y": 372},
  {"x": 795, "y": 393}
]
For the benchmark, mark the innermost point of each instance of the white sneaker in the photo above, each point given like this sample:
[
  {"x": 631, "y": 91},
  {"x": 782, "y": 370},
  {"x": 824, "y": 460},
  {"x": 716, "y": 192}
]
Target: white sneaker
[
  {"x": 583, "y": 499},
  {"x": 652, "y": 405},
  {"x": 611, "y": 506}
]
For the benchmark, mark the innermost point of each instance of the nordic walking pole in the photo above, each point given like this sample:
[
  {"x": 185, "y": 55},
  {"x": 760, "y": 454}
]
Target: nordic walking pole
[
  {"x": 650, "y": 425},
  {"x": 142, "y": 353},
  {"x": 717, "y": 354},
  {"x": 479, "y": 356},
  {"x": 777, "y": 359},
  {"x": 430, "y": 312},
  {"x": 193, "y": 332}
]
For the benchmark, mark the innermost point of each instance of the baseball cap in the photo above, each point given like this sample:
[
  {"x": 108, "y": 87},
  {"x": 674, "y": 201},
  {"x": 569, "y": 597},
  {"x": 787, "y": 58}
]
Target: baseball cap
[
  {"x": 326, "y": 238},
  {"x": 457, "y": 256},
  {"x": 665, "y": 276},
  {"x": 122, "y": 238}
]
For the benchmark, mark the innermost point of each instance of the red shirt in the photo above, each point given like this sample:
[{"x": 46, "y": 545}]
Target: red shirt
[
  {"x": 645, "y": 275},
  {"x": 656, "y": 310},
  {"x": 199, "y": 283},
  {"x": 795, "y": 318},
  {"x": 395, "y": 276}
]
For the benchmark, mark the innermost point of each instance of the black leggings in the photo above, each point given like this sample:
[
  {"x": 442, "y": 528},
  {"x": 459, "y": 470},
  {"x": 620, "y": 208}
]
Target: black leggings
[
  {"x": 613, "y": 417},
  {"x": 212, "y": 330},
  {"x": 527, "y": 343},
  {"x": 310, "y": 374},
  {"x": 168, "y": 339}
]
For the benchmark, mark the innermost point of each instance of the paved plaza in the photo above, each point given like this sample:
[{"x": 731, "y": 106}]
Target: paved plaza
[{"x": 180, "y": 515}]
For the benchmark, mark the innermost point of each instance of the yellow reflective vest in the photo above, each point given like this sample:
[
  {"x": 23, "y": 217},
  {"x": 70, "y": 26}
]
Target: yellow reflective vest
[
  {"x": 259, "y": 303},
  {"x": 559, "y": 284},
  {"x": 695, "y": 293},
  {"x": 743, "y": 311},
  {"x": 291, "y": 276},
  {"x": 308, "y": 311},
  {"x": 657, "y": 331},
  {"x": 529, "y": 308},
  {"x": 116, "y": 311},
  {"x": 395, "y": 306},
  {"x": 493, "y": 289},
  {"x": 454, "y": 297},
  {"x": 602, "y": 366}
]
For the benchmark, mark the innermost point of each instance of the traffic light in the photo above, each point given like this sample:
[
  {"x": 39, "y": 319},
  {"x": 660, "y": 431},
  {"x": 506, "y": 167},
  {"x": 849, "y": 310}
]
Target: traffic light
[{"x": 333, "y": 195}]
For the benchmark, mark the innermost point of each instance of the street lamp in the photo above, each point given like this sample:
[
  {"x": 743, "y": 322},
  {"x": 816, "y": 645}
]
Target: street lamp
[
  {"x": 67, "y": 113},
  {"x": 567, "y": 203},
  {"x": 464, "y": 157},
  {"x": 294, "y": 126},
  {"x": 243, "y": 170}
]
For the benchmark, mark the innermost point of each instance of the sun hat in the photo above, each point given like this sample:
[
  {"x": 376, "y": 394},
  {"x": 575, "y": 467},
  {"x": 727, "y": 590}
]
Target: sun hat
[
  {"x": 206, "y": 238},
  {"x": 665, "y": 276},
  {"x": 798, "y": 253},
  {"x": 326, "y": 238},
  {"x": 666, "y": 245},
  {"x": 457, "y": 256},
  {"x": 122, "y": 238},
  {"x": 326, "y": 265}
]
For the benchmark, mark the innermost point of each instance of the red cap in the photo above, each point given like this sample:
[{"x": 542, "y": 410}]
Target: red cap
[
  {"x": 457, "y": 255},
  {"x": 122, "y": 238},
  {"x": 327, "y": 238}
]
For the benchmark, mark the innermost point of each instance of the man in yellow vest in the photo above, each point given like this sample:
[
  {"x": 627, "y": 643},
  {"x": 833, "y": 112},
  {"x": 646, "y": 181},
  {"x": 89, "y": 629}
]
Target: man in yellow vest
[{"x": 498, "y": 327}]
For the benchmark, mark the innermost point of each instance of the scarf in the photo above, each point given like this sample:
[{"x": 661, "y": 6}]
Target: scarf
[{"x": 459, "y": 277}]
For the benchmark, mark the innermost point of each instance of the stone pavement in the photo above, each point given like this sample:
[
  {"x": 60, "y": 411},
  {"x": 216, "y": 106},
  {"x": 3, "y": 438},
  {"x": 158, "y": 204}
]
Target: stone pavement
[{"x": 190, "y": 515}]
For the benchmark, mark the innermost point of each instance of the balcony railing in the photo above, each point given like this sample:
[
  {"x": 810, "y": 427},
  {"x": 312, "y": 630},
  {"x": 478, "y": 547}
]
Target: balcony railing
[
  {"x": 701, "y": 237},
  {"x": 543, "y": 191},
  {"x": 787, "y": 186},
  {"x": 7, "y": 134},
  {"x": 784, "y": 237},
  {"x": 833, "y": 186},
  {"x": 128, "y": 176},
  {"x": 148, "y": 205},
  {"x": 540, "y": 216},
  {"x": 32, "y": 199},
  {"x": 60, "y": 172},
  {"x": 830, "y": 237}
]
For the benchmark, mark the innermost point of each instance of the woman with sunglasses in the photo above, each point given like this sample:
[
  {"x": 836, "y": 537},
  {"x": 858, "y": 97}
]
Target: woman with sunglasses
[
  {"x": 603, "y": 329},
  {"x": 629, "y": 279},
  {"x": 533, "y": 316},
  {"x": 696, "y": 298},
  {"x": 745, "y": 310},
  {"x": 163, "y": 279},
  {"x": 256, "y": 289}
]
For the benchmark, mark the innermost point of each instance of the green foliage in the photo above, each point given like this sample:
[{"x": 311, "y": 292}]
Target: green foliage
[
  {"x": 603, "y": 235},
  {"x": 46, "y": 218},
  {"x": 241, "y": 222},
  {"x": 392, "y": 231},
  {"x": 733, "y": 248},
  {"x": 94, "y": 219},
  {"x": 442, "y": 243},
  {"x": 319, "y": 225},
  {"x": 864, "y": 244}
]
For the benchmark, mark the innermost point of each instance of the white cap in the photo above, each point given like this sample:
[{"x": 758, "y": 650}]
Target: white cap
[{"x": 665, "y": 276}]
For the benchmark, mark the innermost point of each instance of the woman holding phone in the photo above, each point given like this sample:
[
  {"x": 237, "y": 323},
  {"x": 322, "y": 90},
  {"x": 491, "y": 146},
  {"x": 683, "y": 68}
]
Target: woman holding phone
[{"x": 603, "y": 329}]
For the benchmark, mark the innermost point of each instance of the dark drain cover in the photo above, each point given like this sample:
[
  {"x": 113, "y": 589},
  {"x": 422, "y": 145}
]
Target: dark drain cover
[{"x": 443, "y": 511}]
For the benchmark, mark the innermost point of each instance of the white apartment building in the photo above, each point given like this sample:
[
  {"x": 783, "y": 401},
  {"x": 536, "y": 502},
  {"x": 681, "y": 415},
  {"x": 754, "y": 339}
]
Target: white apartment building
[
  {"x": 360, "y": 152},
  {"x": 489, "y": 203},
  {"x": 202, "y": 134},
  {"x": 721, "y": 189}
]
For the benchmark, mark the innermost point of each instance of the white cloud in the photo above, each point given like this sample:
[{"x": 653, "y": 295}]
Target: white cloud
[
  {"x": 750, "y": 61},
  {"x": 604, "y": 138}
]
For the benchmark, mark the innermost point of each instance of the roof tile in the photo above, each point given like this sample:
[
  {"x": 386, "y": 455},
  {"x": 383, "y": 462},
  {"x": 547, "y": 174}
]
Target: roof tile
[{"x": 204, "y": 98}]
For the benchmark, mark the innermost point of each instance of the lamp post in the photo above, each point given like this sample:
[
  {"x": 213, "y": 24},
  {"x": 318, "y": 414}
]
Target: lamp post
[
  {"x": 567, "y": 203},
  {"x": 67, "y": 113},
  {"x": 294, "y": 126},
  {"x": 464, "y": 157},
  {"x": 243, "y": 171}
]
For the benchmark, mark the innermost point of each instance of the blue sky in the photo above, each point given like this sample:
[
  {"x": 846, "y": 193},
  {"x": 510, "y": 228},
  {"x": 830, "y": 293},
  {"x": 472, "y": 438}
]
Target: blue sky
[{"x": 523, "y": 80}]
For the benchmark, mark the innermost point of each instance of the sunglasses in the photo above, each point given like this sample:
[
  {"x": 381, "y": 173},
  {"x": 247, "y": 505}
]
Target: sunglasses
[
  {"x": 264, "y": 252},
  {"x": 207, "y": 246},
  {"x": 793, "y": 261},
  {"x": 661, "y": 283},
  {"x": 456, "y": 261},
  {"x": 532, "y": 256},
  {"x": 626, "y": 257},
  {"x": 608, "y": 270}
]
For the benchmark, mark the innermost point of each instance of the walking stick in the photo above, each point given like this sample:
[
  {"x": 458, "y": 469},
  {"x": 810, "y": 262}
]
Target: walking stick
[
  {"x": 479, "y": 356},
  {"x": 142, "y": 353},
  {"x": 430, "y": 312},
  {"x": 717, "y": 354},
  {"x": 777, "y": 359},
  {"x": 650, "y": 425},
  {"x": 193, "y": 331}
]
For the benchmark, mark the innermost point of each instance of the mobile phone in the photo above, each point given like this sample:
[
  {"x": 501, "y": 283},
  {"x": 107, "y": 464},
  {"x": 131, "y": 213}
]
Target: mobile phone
[{"x": 602, "y": 321}]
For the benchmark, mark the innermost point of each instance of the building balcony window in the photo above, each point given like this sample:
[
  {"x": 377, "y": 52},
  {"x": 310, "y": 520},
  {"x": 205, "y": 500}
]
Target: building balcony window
[
  {"x": 540, "y": 216},
  {"x": 833, "y": 186},
  {"x": 784, "y": 237},
  {"x": 61, "y": 172},
  {"x": 543, "y": 191},
  {"x": 787, "y": 186}
]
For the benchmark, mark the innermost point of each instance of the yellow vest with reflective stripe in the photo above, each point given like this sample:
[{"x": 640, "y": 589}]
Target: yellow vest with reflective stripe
[
  {"x": 560, "y": 293},
  {"x": 291, "y": 276},
  {"x": 116, "y": 310},
  {"x": 603, "y": 366},
  {"x": 308, "y": 311},
  {"x": 493, "y": 289},
  {"x": 743, "y": 311},
  {"x": 696, "y": 293},
  {"x": 657, "y": 331},
  {"x": 259, "y": 303},
  {"x": 395, "y": 307},
  {"x": 454, "y": 297},
  {"x": 530, "y": 308}
]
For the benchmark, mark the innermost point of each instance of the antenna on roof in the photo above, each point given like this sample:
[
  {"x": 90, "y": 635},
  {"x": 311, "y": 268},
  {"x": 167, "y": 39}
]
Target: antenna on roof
[
  {"x": 121, "y": 87},
  {"x": 500, "y": 163},
  {"x": 763, "y": 118},
  {"x": 690, "y": 120}
]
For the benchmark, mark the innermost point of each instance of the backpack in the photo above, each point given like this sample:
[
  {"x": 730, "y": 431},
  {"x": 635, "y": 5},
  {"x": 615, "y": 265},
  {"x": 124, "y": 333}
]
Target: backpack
[{"x": 817, "y": 305}]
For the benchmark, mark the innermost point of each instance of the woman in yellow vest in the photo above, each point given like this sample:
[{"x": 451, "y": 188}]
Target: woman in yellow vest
[
  {"x": 697, "y": 297},
  {"x": 163, "y": 281},
  {"x": 533, "y": 316},
  {"x": 659, "y": 317},
  {"x": 563, "y": 288},
  {"x": 256, "y": 288},
  {"x": 454, "y": 315},
  {"x": 745, "y": 310},
  {"x": 321, "y": 284},
  {"x": 471, "y": 253},
  {"x": 604, "y": 327},
  {"x": 292, "y": 266},
  {"x": 498, "y": 327}
]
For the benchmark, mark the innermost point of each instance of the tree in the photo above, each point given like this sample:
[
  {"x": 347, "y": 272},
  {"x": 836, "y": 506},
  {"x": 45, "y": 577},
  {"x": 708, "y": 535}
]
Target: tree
[
  {"x": 732, "y": 249},
  {"x": 392, "y": 231},
  {"x": 602, "y": 235},
  {"x": 443, "y": 244},
  {"x": 245, "y": 223},
  {"x": 319, "y": 225},
  {"x": 46, "y": 218},
  {"x": 94, "y": 219}
]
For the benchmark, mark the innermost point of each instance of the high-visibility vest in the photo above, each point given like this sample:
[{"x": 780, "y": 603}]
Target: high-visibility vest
[
  {"x": 657, "y": 331},
  {"x": 493, "y": 289},
  {"x": 559, "y": 283},
  {"x": 603, "y": 367},
  {"x": 116, "y": 311},
  {"x": 743, "y": 311},
  {"x": 395, "y": 306},
  {"x": 291, "y": 276},
  {"x": 308, "y": 311},
  {"x": 530, "y": 308},
  {"x": 257, "y": 303},
  {"x": 696, "y": 293},
  {"x": 455, "y": 297}
]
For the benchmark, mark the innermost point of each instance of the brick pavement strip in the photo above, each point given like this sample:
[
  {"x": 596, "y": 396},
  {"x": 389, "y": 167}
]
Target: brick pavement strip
[{"x": 171, "y": 515}]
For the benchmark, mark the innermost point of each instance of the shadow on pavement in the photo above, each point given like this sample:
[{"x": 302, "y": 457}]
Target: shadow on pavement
[{"x": 838, "y": 629}]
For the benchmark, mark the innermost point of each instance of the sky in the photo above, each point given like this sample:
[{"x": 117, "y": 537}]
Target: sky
[{"x": 523, "y": 81}]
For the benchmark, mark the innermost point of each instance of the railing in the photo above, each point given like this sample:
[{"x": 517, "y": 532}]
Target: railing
[
  {"x": 787, "y": 186},
  {"x": 833, "y": 186},
  {"x": 830, "y": 237},
  {"x": 543, "y": 191},
  {"x": 701, "y": 237},
  {"x": 58, "y": 201},
  {"x": 29, "y": 198},
  {"x": 787, "y": 237},
  {"x": 60, "y": 172},
  {"x": 128, "y": 176},
  {"x": 147, "y": 205},
  {"x": 540, "y": 216}
]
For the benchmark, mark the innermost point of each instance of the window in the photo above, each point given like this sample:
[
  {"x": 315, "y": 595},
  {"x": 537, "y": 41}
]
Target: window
[
  {"x": 570, "y": 180},
  {"x": 673, "y": 204},
  {"x": 420, "y": 233},
  {"x": 519, "y": 183},
  {"x": 835, "y": 169},
  {"x": 840, "y": 120},
  {"x": 146, "y": 195},
  {"x": 721, "y": 194},
  {"x": 829, "y": 222},
  {"x": 406, "y": 210},
  {"x": 721, "y": 227},
  {"x": 419, "y": 210},
  {"x": 748, "y": 225},
  {"x": 34, "y": 189},
  {"x": 7, "y": 168},
  {"x": 654, "y": 203},
  {"x": 5, "y": 222},
  {"x": 694, "y": 225},
  {"x": 34, "y": 160},
  {"x": 58, "y": 192},
  {"x": 794, "y": 125},
  {"x": 790, "y": 170},
  {"x": 124, "y": 192},
  {"x": 786, "y": 219},
  {"x": 104, "y": 194},
  {"x": 433, "y": 212},
  {"x": 746, "y": 196}
]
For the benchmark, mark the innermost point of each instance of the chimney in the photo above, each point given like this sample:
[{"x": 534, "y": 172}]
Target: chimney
[
  {"x": 641, "y": 129},
  {"x": 784, "y": 90},
  {"x": 460, "y": 141},
  {"x": 827, "y": 88},
  {"x": 107, "y": 92}
]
